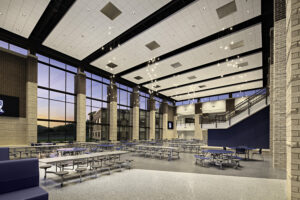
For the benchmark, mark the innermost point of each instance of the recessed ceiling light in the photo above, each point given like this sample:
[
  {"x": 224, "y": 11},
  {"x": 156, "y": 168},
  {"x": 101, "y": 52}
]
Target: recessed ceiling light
[
  {"x": 102, "y": 48},
  {"x": 237, "y": 45},
  {"x": 226, "y": 47},
  {"x": 138, "y": 77},
  {"x": 244, "y": 64},
  {"x": 176, "y": 65}
]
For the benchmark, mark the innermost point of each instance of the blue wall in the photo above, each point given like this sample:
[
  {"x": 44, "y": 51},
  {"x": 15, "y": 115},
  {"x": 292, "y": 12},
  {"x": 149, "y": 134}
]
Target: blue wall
[{"x": 252, "y": 132}]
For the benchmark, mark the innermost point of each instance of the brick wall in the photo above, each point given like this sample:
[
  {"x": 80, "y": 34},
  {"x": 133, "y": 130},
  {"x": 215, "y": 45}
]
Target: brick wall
[
  {"x": 278, "y": 88},
  {"x": 293, "y": 98}
]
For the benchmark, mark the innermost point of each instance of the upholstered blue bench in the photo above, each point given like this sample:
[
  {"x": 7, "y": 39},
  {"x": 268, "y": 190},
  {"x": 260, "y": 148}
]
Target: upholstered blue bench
[
  {"x": 19, "y": 180},
  {"x": 4, "y": 153}
]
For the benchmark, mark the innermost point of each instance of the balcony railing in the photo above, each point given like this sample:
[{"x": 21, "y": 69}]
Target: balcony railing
[{"x": 239, "y": 108}]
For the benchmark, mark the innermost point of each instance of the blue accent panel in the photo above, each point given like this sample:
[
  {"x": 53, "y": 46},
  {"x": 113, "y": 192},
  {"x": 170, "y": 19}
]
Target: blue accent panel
[
  {"x": 251, "y": 132},
  {"x": 4, "y": 153}
]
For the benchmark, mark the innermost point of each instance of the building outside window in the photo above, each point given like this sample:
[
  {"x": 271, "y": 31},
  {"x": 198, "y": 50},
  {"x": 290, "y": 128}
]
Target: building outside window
[
  {"x": 97, "y": 109},
  {"x": 56, "y": 101},
  {"x": 124, "y": 97},
  {"x": 144, "y": 124},
  {"x": 158, "y": 118}
]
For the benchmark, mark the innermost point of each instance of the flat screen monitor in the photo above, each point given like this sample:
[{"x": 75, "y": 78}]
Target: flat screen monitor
[
  {"x": 9, "y": 106},
  {"x": 170, "y": 125}
]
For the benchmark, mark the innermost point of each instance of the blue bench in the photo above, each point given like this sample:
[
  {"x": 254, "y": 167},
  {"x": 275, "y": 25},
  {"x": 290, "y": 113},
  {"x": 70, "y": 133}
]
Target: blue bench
[
  {"x": 19, "y": 180},
  {"x": 4, "y": 153}
]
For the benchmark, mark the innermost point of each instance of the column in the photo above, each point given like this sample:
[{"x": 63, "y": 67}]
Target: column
[
  {"x": 80, "y": 87},
  {"x": 151, "y": 104},
  {"x": 278, "y": 103},
  {"x": 293, "y": 98},
  {"x": 113, "y": 112},
  {"x": 175, "y": 134},
  {"x": 135, "y": 114},
  {"x": 198, "y": 130},
  {"x": 31, "y": 99},
  {"x": 165, "y": 109}
]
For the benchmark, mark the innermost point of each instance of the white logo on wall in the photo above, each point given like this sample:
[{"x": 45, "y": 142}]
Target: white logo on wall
[{"x": 1, "y": 106}]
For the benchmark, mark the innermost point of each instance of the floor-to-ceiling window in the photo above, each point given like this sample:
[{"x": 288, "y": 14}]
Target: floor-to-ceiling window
[
  {"x": 124, "y": 95},
  {"x": 97, "y": 112},
  {"x": 158, "y": 118},
  {"x": 144, "y": 125},
  {"x": 56, "y": 100}
]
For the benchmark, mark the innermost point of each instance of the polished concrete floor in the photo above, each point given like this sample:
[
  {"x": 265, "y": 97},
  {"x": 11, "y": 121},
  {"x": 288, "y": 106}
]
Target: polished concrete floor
[{"x": 178, "y": 179}]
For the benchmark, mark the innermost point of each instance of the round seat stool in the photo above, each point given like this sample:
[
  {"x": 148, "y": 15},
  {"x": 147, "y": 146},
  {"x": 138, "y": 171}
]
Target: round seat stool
[
  {"x": 45, "y": 167},
  {"x": 80, "y": 171},
  {"x": 62, "y": 174}
]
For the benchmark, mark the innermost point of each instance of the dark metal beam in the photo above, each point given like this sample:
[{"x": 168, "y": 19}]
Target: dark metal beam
[
  {"x": 54, "y": 12},
  {"x": 230, "y": 94},
  {"x": 210, "y": 79},
  {"x": 197, "y": 43},
  {"x": 143, "y": 25},
  {"x": 223, "y": 86},
  {"x": 207, "y": 65}
]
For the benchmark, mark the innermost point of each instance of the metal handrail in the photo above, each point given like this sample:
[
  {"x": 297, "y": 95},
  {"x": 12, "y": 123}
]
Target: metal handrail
[{"x": 239, "y": 108}]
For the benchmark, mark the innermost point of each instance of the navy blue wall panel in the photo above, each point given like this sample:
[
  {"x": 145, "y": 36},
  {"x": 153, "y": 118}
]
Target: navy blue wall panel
[{"x": 252, "y": 132}]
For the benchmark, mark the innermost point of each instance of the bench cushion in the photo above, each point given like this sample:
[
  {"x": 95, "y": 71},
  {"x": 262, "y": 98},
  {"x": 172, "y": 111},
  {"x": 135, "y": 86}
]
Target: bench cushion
[
  {"x": 18, "y": 175},
  {"x": 34, "y": 193},
  {"x": 4, "y": 153}
]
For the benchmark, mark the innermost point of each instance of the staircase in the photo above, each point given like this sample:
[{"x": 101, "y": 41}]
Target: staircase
[{"x": 243, "y": 110}]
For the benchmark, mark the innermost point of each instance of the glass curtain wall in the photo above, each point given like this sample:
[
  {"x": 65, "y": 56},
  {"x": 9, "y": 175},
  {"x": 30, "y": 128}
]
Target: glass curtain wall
[
  {"x": 124, "y": 95},
  {"x": 97, "y": 110},
  {"x": 144, "y": 126},
  {"x": 158, "y": 118},
  {"x": 56, "y": 101}
]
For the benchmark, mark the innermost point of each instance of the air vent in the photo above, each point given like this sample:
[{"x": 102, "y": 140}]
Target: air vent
[
  {"x": 138, "y": 77},
  {"x": 192, "y": 77},
  {"x": 202, "y": 86},
  {"x": 110, "y": 11},
  {"x": 226, "y": 10},
  {"x": 244, "y": 64},
  {"x": 156, "y": 86},
  {"x": 236, "y": 45},
  {"x": 152, "y": 45},
  {"x": 176, "y": 65},
  {"x": 112, "y": 65}
]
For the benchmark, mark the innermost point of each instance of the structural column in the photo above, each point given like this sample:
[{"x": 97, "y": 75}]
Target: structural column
[
  {"x": 113, "y": 112},
  {"x": 80, "y": 85},
  {"x": 151, "y": 104},
  {"x": 293, "y": 98},
  {"x": 135, "y": 114},
  {"x": 165, "y": 119},
  {"x": 198, "y": 131},
  {"x": 175, "y": 134},
  {"x": 31, "y": 99},
  {"x": 278, "y": 87}
]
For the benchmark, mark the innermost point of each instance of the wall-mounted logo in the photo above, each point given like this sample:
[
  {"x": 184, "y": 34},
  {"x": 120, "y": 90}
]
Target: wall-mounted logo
[{"x": 1, "y": 107}]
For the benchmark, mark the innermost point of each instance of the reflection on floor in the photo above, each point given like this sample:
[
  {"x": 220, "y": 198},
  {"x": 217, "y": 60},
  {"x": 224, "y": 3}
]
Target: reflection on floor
[
  {"x": 155, "y": 185},
  {"x": 178, "y": 179}
]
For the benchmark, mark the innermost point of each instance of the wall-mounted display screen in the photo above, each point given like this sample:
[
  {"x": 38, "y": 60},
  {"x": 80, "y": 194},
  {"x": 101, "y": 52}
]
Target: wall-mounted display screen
[
  {"x": 170, "y": 125},
  {"x": 9, "y": 106}
]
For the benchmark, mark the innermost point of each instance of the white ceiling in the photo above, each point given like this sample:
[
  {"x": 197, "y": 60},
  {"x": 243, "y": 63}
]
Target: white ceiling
[
  {"x": 177, "y": 31},
  {"x": 84, "y": 29},
  {"x": 254, "y": 60},
  {"x": 201, "y": 55},
  {"x": 239, "y": 78},
  {"x": 21, "y": 16},
  {"x": 245, "y": 86}
]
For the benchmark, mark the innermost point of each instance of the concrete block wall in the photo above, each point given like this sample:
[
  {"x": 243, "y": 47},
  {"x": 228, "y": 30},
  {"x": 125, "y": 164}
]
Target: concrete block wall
[{"x": 293, "y": 98}]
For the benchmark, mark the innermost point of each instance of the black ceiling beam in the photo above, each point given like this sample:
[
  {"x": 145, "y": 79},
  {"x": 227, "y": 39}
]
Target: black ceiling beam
[
  {"x": 143, "y": 25},
  {"x": 206, "y": 65},
  {"x": 54, "y": 12},
  {"x": 210, "y": 79},
  {"x": 220, "y": 94},
  {"x": 25, "y": 43},
  {"x": 197, "y": 43},
  {"x": 223, "y": 86}
]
